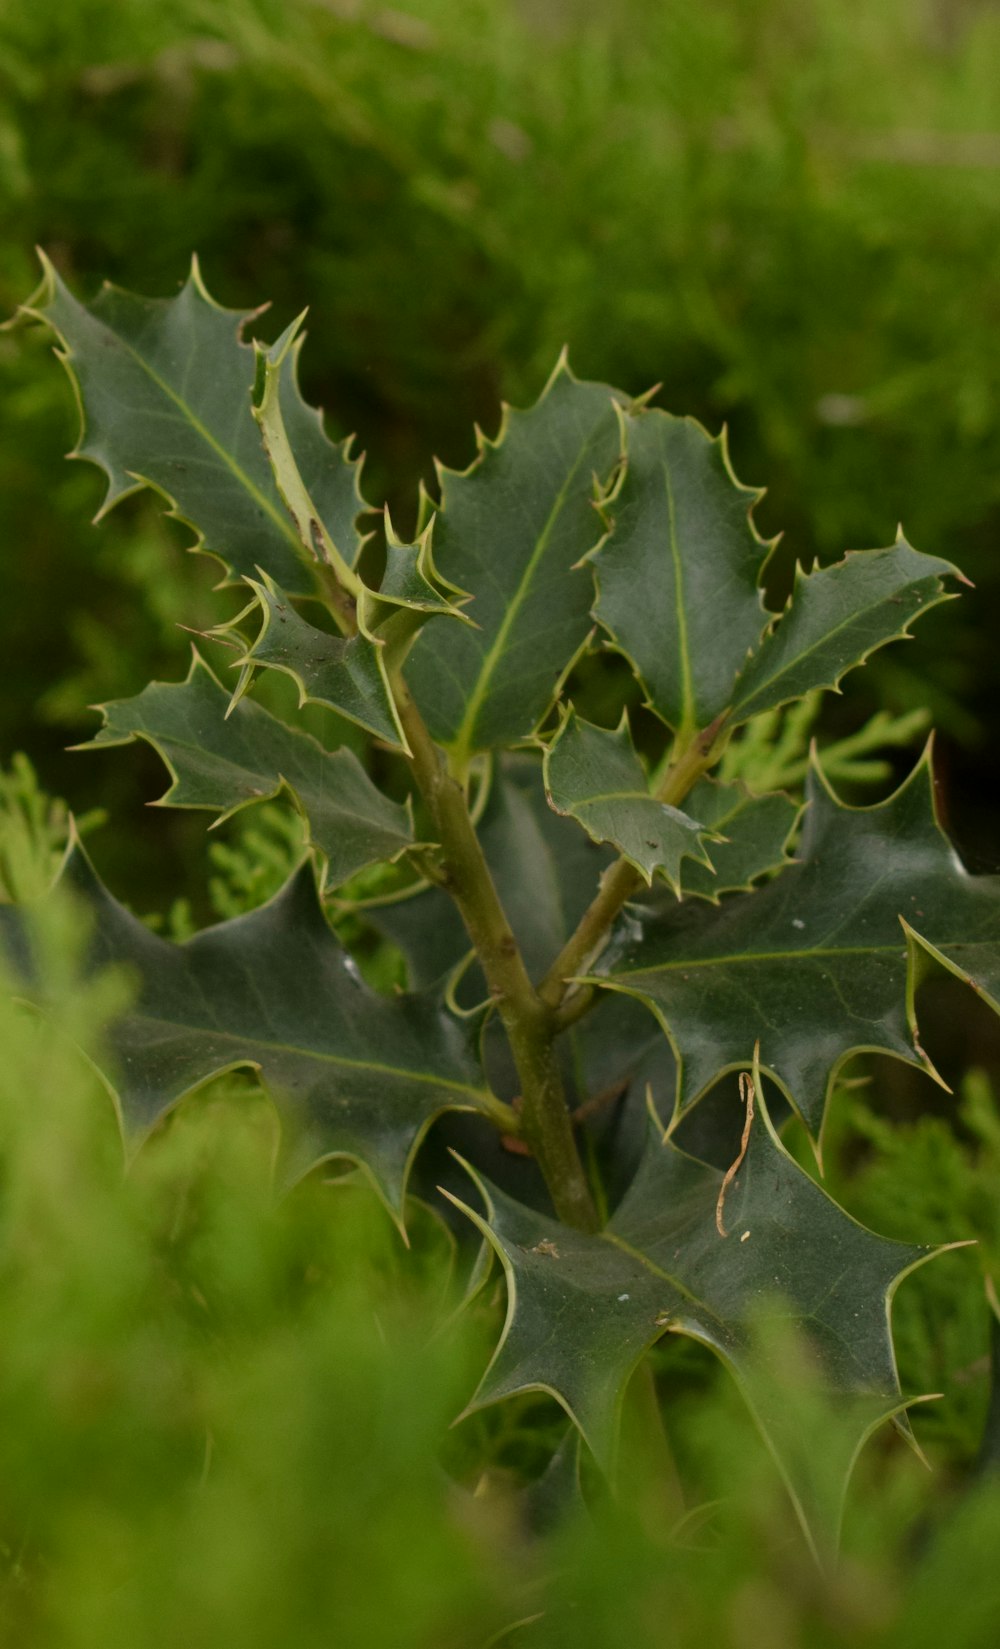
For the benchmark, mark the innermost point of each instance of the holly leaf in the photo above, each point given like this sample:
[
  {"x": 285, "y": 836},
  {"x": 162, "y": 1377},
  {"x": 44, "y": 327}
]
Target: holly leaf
[
  {"x": 582, "y": 1310},
  {"x": 593, "y": 775},
  {"x": 754, "y": 832},
  {"x": 409, "y": 592},
  {"x": 355, "y": 1074},
  {"x": 823, "y": 961},
  {"x": 346, "y": 675},
  {"x": 835, "y": 618},
  {"x": 223, "y": 763},
  {"x": 678, "y": 574},
  {"x": 510, "y": 531},
  {"x": 164, "y": 387}
]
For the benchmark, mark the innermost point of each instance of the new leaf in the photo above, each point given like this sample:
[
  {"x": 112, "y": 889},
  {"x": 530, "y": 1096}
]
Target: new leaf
[{"x": 345, "y": 675}]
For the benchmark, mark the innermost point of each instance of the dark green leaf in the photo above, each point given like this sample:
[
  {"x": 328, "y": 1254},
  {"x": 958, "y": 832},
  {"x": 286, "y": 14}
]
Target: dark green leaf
[
  {"x": 815, "y": 963},
  {"x": 346, "y": 675},
  {"x": 835, "y": 618},
  {"x": 583, "y": 1309},
  {"x": 593, "y": 775},
  {"x": 359, "y": 1075},
  {"x": 222, "y": 763},
  {"x": 510, "y": 532},
  {"x": 677, "y": 578},
  {"x": 755, "y": 831},
  {"x": 164, "y": 387}
]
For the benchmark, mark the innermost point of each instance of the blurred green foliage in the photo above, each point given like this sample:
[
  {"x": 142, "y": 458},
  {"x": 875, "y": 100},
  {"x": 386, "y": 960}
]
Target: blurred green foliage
[{"x": 788, "y": 214}]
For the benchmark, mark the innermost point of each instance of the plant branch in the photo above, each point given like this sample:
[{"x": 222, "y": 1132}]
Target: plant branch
[
  {"x": 621, "y": 879},
  {"x": 528, "y": 1021}
]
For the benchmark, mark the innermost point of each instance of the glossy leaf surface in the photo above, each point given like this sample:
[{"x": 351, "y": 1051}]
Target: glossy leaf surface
[
  {"x": 814, "y": 965},
  {"x": 222, "y": 763},
  {"x": 593, "y": 775},
  {"x": 678, "y": 587},
  {"x": 164, "y": 387},
  {"x": 510, "y": 531},
  {"x": 582, "y": 1309},
  {"x": 677, "y": 577},
  {"x": 357, "y": 1074},
  {"x": 835, "y": 618}
]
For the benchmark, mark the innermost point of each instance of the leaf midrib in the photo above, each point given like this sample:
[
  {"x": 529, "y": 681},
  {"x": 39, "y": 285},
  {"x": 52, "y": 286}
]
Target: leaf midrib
[
  {"x": 628, "y": 796},
  {"x": 684, "y": 648},
  {"x": 758, "y": 956},
  {"x": 463, "y": 738},
  {"x": 310, "y": 1053},
  {"x": 658, "y": 1271},
  {"x": 829, "y": 634},
  {"x": 284, "y": 526}
]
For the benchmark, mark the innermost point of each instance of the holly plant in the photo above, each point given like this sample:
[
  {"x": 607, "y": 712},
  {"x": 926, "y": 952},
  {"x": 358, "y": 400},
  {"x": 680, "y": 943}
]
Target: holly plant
[{"x": 532, "y": 696}]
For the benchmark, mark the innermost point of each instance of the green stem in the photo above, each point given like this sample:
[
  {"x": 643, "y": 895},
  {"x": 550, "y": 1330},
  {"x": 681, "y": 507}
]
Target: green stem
[
  {"x": 529, "y": 1023},
  {"x": 621, "y": 879}
]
